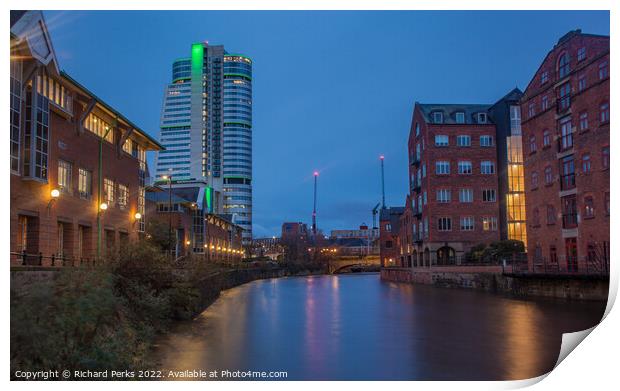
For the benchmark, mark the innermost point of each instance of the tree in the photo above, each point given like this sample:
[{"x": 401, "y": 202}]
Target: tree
[{"x": 158, "y": 234}]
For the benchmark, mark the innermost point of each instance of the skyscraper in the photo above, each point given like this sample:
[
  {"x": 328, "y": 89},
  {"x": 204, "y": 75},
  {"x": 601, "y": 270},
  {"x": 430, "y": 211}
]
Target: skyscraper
[{"x": 206, "y": 127}]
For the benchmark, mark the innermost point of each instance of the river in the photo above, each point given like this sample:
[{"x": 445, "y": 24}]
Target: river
[{"x": 357, "y": 327}]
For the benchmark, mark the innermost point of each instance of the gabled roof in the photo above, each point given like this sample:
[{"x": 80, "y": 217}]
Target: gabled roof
[
  {"x": 449, "y": 112},
  {"x": 29, "y": 30}
]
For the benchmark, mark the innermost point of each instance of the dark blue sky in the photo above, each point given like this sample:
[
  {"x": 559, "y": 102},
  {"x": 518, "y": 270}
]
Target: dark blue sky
[{"x": 332, "y": 90}]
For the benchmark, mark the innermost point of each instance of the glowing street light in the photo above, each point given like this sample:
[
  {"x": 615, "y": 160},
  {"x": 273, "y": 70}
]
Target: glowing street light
[
  {"x": 137, "y": 216},
  {"x": 103, "y": 206},
  {"x": 55, "y": 193}
]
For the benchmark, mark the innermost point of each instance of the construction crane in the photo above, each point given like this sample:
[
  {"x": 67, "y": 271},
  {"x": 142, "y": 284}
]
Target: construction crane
[
  {"x": 375, "y": 210},
  {"x": 382, "y": 183}
]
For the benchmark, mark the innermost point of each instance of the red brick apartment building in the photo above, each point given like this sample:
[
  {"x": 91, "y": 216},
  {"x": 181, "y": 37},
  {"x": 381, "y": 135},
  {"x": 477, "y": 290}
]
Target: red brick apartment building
[
  {"x": 213, "y": 236},
  {"x": 389, "y": 242},
  {"x": 453, "y": 182},
  {"x": 78, "y": 166},
  {"x": 565, "y": 111}
]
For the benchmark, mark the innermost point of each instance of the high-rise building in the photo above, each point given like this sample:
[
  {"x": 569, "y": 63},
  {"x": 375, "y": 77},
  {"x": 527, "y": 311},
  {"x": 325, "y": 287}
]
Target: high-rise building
[
  {"x": 565, "y": 112},
  {"x": 206, "y": 127}
]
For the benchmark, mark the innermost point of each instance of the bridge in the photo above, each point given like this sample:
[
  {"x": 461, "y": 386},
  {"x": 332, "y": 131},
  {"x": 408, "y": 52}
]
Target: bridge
[{"x": 340, "y": 264}]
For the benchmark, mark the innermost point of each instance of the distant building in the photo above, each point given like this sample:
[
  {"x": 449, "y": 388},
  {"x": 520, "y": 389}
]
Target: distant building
[
  {"x": 565, "y": 110},
  {"x": 268, "y": 247},
  {"x": 362, "y": 233},
  {"x": 213, "y": 236},
  {"x": 296, "y": 231},
  {"x": 78, "y": 166},
  {"x": 389, "y": 226},
  {"x": 206, "y": 128}
]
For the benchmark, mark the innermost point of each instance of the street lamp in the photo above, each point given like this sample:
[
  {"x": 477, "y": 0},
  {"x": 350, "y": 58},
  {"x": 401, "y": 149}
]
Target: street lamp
[
  {"x": 137, "y": 216},
  {"x": 103, "y": 207}
]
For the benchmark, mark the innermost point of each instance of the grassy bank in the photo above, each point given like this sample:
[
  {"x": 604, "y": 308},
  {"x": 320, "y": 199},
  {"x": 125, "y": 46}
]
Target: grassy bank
[{"x": 107, "y": 317}]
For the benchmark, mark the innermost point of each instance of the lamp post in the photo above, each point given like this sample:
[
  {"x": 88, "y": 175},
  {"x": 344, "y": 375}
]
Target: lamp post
[
  {"x": 99, "y": 188},
  {"x": 169, "y": 178}
]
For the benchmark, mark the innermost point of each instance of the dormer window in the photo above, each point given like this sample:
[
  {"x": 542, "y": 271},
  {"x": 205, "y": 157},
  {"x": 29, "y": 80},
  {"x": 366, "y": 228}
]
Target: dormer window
[
  {"x": 482, "y": 118},
  {"x": 460, "y": 117},
  {"x": 438, "y": 117}
]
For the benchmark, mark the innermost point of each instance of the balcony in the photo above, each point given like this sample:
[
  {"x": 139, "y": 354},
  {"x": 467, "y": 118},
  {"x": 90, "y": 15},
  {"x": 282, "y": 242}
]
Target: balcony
[{"x": 565, "y": 142}]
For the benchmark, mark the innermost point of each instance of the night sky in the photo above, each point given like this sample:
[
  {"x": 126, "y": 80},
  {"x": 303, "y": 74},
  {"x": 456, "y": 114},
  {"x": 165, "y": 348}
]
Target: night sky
[{"x": 332, "y": 90}]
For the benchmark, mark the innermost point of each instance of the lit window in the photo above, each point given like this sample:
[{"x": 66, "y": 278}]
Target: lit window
[
  {"x": 85, "y": 183},
  {"x": 108, "y": 191},
  {"x": 16, "y": 108},
  {"x": 99, "y": 127},
  {"x": 64, "y": 176},
  {"x": 489, "y": 223},
  {"x": 588, "y": 207}
]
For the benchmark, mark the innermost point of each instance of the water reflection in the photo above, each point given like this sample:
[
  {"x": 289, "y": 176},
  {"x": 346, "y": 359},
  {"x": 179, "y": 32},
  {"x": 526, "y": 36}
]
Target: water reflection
[{"x": 356, "y": 327}]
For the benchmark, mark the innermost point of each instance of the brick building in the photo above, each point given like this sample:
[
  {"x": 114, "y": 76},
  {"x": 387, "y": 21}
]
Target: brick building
[
  {"x": 389, "y": 226},
  {"x": 194, "y": 231},
  {"x": 565, "y": 110},
  {"x": 453, "y": 182},
  {"x": 78, "y": 166}
]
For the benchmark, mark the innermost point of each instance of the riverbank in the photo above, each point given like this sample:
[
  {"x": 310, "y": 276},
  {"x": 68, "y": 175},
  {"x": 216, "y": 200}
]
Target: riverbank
[{"x": 492, "y": 279}]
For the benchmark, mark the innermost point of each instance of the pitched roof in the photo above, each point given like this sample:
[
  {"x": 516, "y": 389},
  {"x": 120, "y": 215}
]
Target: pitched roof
[{"x": 449, "y": 112}]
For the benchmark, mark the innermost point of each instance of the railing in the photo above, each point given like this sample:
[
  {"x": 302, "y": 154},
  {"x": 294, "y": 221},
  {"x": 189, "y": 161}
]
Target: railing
[
  {"x": 588, "y": 266},
  {"x": 55, "y": 260},
  {"x": 569, "y": 220}
]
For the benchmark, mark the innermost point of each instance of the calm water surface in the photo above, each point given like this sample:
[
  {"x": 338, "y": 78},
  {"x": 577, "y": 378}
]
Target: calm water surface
[{"x": 357, "y": 327}]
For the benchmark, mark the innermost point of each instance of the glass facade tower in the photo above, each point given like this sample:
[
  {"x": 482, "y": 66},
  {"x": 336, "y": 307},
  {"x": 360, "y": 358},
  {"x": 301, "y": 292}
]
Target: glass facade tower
[{"x": 206, "y": 128}]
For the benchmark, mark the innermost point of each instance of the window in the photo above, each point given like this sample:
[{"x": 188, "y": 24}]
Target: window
[
  {"x": 551, "y": 217},
  {"x": 588, "y": 207},
  {"x": 443, "y": 195},
  {"x": 489, "y": 223},
  {"x": 108, "y": 191},
  {"x": 532, "y": 144},
  {"x": 581, "y": 84},
  {"x": 566, "y": 133},
  {"x": 605, "y": 157},
  {"x": 460, "y": 117},
  {"x": 568, "y": 172},
  {"x": 515, "y": 120},
  {"x": 569, "y": 211},
  {"x": 604, "y": 113},
  {"x": 488, "y": 195},
  {"x": 531, "y": 110},
  {"x": 441, "y": 140},
  {"x": 424, "y": 198},
  {"x": 123, "y": 195},
  {"x": 127, "y": 146},
  {"x": 465, "y": 167},
  {"x": 463, "y": 141},
  {"x": 583, "y": 121},
  {"x": 534, "y": 180},
  {"x": 56, "y": 93},
  {"x": 423, "y": 170},
  {"x": 546, "y": 138},
  {"x": 607, "y": 203},
  {"x": 64, "y": 176},
  {"x": 36, "y": 135},
  {"x": 553, "y": 254},
  {"x": 388, "y": 227},
  {"x": 487, "y": 167},
  {"x": 444, "y": 224},
  {"x": 16, "y": 110},
  {"x": 603, "y": 70},
  {"x": 466, "y": 195},
  {"x": 564, "y": 65},
  {"x": 544, "y": 77},
  {"x": 467, "y": 223},
  {"x": 581, "y": 54},
  {"x": 482, "y": 118},
  {"x": 417, "y": 129},
  {"x": 486, "y": 141},
  {"x": 438, "y": 117},
  {"x": 544, "y": 103},
  {"x": 586, "y": 167},
  {"x": 565, "y": 96},
  {"x": 99, "y": 127},
  {"x": 84, "y": 183},
  {"x": 536, "y": 217},
  {"x": 548, "y": 175},
  {"x": 442, "y": 167}
]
